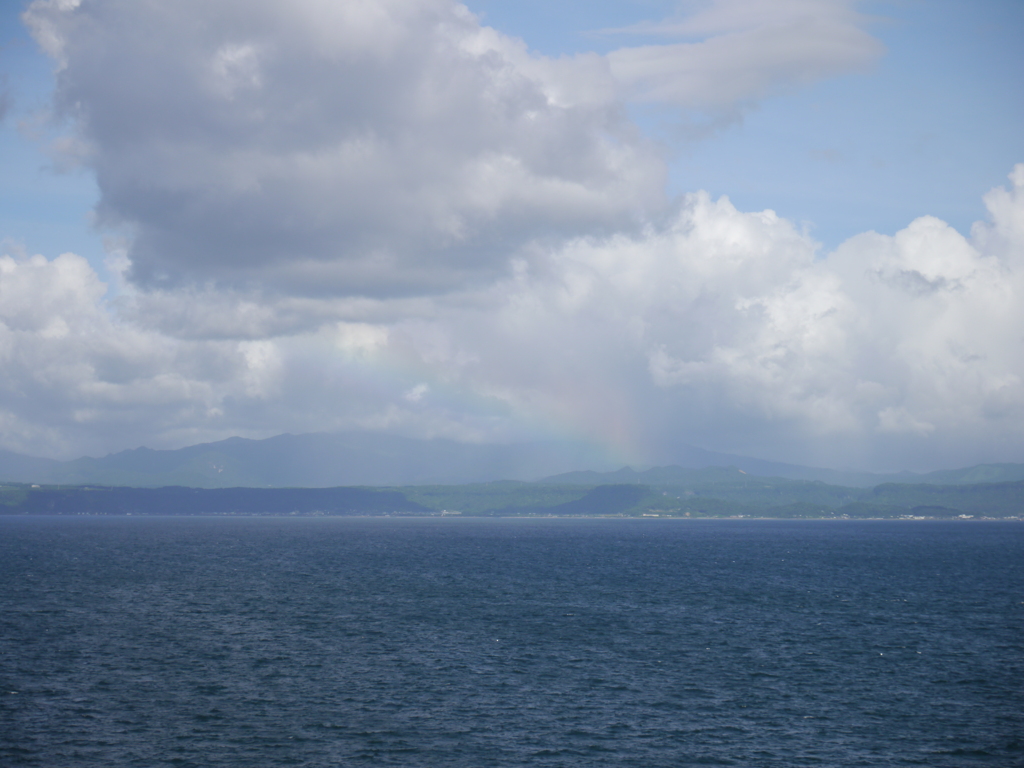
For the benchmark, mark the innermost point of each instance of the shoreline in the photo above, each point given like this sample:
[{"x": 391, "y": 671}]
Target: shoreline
[{"x": 645, "y": 518}]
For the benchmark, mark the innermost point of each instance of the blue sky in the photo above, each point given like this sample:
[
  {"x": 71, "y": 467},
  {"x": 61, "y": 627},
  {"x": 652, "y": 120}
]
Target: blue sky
[
  {"x": 43, "y": 209},
  {"x": 291, "y": 222}
]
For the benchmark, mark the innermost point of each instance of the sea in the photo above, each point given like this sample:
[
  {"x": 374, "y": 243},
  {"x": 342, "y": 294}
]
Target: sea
[{"x": 444, "y": 642}]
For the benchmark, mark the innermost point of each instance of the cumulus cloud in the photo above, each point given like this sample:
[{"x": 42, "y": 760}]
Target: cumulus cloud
[
  {"x": 718, "y": 327},
  {"x": 319, "y": 147},
  {"x": 336, "y": 147},
  {"x": 67, "y": 363},
  {"x": 387, "y": 216},
  {"x": 82, "y": 373},
  {"x": 728, "y": 330}
]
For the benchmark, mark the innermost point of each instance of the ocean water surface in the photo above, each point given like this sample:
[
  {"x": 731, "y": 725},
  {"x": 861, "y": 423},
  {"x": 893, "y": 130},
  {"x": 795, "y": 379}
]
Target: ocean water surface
[{"x": 253, "y": 642}]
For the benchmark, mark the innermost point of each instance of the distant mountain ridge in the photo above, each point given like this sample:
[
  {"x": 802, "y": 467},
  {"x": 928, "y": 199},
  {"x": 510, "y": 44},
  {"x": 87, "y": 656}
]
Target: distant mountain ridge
[
  {"x": 323, "y": 460},
  {"x": 680, "y": 476},
  {"x": 316, "y": 460}
]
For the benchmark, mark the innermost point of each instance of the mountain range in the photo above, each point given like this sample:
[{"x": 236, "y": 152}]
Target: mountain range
[{"x": 321, "y": 460}]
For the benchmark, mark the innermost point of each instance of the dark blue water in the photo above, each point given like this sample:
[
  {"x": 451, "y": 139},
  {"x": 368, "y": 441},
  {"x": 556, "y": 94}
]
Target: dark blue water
[{"x": 344, "y": 642}]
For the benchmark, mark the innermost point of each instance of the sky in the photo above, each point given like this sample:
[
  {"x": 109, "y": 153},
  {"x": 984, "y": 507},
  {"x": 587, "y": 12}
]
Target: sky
[{"x": 790, "y": 229}]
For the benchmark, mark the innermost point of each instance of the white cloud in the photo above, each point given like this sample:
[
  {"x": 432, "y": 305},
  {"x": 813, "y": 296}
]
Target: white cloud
[
  {"x": 417, "y": 393},
  {"x": 383, "y": 215},
  {"x": 398, "y": 147},
  {"x": 69, "y": 364},
  {"x": 337, "y": 147},
  {"x": 719, "y": 327},
  {"x": 726, "y": 329},
  {"x": 744, "y": 50}
]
